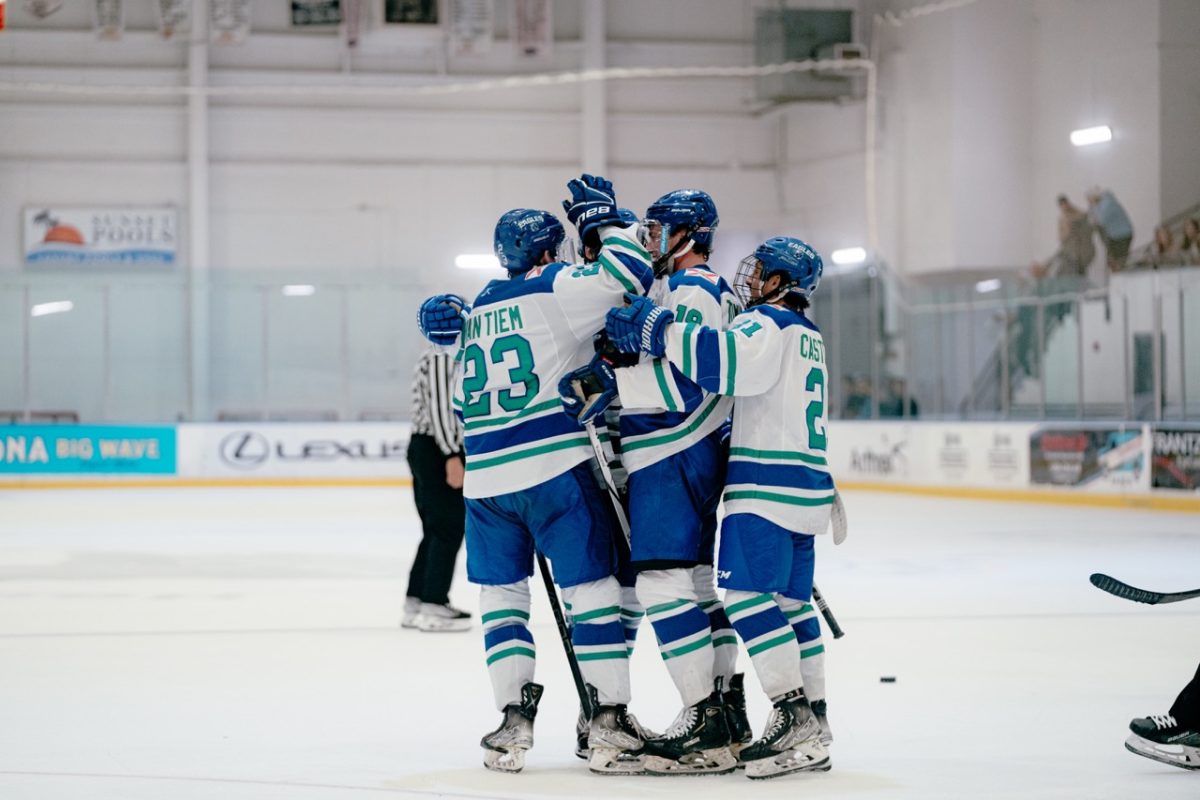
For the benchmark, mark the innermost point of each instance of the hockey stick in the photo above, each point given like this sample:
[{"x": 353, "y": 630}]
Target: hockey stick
[
  {"x": 834, "y": 628},
  {"x": 838, "y": 518},
  {"x": 564, "y": 633},
  {"x": 609, "y": 483},
  {"x": 1113, "y": 586}
]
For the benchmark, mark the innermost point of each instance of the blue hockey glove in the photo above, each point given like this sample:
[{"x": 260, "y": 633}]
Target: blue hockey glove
[
  {"x": 588, "y": 391},
  {"x": 593, "y": 204},
  {"x": 639, "y": 326},
  {"x": 440, "y": 318}
]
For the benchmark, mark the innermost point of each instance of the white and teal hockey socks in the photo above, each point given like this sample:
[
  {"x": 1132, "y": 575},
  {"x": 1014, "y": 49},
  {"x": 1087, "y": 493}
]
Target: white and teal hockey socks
[
  {"x": 725, "y": 643},
  {"x": 631, "y": 616},
  {"x": 511, "y": 654},
  {"x": 599, "y": 638},
  {"x": 769, "y": 640},
  {"x": 682, "y": 628},
  {"x": 806, "y": 622}
]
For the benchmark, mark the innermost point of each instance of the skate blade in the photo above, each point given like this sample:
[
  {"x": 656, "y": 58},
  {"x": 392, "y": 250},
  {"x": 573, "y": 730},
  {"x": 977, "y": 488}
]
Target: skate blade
[
  {"x": 717, "y": 761},
  {"x": 610, "y": 761},
  {"x": 1175, "y": 755},
  {"x": 511, "y": 760},
  {"x": 789, "y": 763}
]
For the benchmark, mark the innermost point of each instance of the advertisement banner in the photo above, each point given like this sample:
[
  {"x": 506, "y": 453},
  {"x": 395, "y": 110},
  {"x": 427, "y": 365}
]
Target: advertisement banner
[
  {"x": 229, "y": 21},
  {"x": 532, "y": 28},
  {"x": 109, "y": 18},
  {"x": 265, "y": 450},
  {"x": 1105, "y": 458},
  {"x": 316, "y": 12},
  {"x": 100, "y": 236},
  {"x": 173, "y": 17},
  {"x": 88, "y": 449},
  {"x": 471, "y": 27},
  {"x": 1175, "y": 458},
  {"x": 978, "y": 454},
  {"x": 875, "y": 451}
]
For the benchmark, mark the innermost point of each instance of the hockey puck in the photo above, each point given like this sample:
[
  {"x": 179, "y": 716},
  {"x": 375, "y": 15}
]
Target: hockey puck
[{"x": 887, "y": 678}]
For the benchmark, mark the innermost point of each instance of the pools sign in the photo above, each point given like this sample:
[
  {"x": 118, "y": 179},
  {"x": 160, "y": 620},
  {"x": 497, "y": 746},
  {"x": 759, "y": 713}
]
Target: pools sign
[{"x": 131, "y": 236}]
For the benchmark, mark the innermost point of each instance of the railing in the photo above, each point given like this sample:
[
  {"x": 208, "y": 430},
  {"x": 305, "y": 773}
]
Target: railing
[{"x": 128, "y": 349}]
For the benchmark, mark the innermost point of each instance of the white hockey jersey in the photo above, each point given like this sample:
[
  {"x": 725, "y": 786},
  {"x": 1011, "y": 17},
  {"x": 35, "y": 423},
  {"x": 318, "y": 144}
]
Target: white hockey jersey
[
  {"x": 773, "y": 361},
  {"x": 521, "y": 337},
  {"x": 684, "y": 414}
]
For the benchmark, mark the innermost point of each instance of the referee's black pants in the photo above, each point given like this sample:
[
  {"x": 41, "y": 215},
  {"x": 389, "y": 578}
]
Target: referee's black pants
[{"x": 443, "y": 517}]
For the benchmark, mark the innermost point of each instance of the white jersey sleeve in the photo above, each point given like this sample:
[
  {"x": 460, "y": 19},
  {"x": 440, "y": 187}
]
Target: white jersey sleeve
[{"x": 585, "y": 292}]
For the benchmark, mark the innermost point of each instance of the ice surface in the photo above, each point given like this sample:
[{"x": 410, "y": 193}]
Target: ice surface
[{"x": 243, "y": 643}]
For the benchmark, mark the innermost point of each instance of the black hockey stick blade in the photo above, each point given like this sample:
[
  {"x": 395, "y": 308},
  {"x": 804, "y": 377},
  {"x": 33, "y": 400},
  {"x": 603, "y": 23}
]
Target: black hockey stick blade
[{"x": 1111, "y": 585}]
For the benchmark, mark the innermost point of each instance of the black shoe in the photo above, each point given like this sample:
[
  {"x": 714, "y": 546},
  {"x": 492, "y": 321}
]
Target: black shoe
[
  {"x": 791, "y": 742},
  {"x": 734, "y": 698},
  {"x": 504, "y": 748},
  {"x": 696, "y": 744}
]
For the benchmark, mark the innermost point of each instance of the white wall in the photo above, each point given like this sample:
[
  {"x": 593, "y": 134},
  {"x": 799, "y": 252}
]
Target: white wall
[{"x": 1179, "y": 26}]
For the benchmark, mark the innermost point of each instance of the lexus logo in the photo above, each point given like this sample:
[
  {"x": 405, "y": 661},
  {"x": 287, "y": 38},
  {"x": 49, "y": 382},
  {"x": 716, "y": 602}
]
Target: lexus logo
[{"x": 245, "y": 450}]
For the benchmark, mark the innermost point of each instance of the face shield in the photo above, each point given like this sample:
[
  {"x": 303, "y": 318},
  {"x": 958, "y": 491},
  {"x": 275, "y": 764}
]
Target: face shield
[
  {"x": 664, "y": 244},
  {"x": 747, "y": 281}
]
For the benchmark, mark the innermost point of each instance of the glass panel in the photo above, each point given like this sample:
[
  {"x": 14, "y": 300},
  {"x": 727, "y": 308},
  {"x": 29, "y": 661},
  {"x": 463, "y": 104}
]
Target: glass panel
[
  {"x": 148, "y": 354},
  {"x": 66, "y": 351},
  {"x": 12, "y": 317}
]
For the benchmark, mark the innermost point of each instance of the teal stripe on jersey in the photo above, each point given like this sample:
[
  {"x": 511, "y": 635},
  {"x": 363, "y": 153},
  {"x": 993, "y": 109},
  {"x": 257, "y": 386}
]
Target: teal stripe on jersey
[
  {"x": 770, "y": 643},
  {"x": 691, "y": 427},
  {"x": 688, "y": 330},
  {"x": 615, "y": 271},
  {"x": 503, "y": 614},
  {"x": 628, "y": 244},
  {"x": 484, "y": 463},
  {"x": 781, "y": 455},
  {"x": 660, "y": 374},
  {"x": 512, "y": 651},
  {"x": 773, "y": 497},
  {"x": 731, "y": 351},
  {"x": 473, "y": 424}
]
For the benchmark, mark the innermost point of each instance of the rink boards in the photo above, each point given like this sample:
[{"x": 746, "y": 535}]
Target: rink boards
[{"x": 1095, "y": 463}]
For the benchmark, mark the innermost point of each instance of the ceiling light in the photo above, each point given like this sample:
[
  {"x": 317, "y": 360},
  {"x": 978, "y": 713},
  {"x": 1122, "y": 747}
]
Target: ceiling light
[
  {"x": 476, "y": 261},
  {"x": 299, "y": 290},
  {"x": 849, "y": 255},
  {"x": 1096, "y": 135},
  {"x": 57, "y": 307}
]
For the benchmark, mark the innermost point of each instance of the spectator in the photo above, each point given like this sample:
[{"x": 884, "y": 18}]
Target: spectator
[
  {"x": 1189, "y": 246},
  {"x": 1113, "y": 225},
  {"x": 1165, "y": 250},
  {"x": 893, "y": 404},
  {"x": 435, "y": 457},
  {"x": 1076, "y": 249}
]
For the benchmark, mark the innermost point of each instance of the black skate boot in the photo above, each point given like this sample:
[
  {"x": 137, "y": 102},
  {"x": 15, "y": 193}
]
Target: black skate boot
[
  {"x": 504, "y": 748},
  {"x": 1161, "y": 738},
  {"x": 614, "y": 739},
  {"x": 734, "y": 698},
  {"x": 791, "y": 742},
  {"x": 697, "y": 744},
  {"x": 822, "y": 715}
]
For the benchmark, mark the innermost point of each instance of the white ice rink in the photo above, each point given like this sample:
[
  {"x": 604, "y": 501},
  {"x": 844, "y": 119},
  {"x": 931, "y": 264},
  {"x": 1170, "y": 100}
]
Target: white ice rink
[{"x": 243, "y": 643}]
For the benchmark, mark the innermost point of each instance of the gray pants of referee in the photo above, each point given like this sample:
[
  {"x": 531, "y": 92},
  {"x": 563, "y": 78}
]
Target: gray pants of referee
[{"x": 443, "y": 517}]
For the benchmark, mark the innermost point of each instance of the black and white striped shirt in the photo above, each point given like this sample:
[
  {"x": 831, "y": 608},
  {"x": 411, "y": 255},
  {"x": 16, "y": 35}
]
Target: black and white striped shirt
[{"x": 432, "y": 393}]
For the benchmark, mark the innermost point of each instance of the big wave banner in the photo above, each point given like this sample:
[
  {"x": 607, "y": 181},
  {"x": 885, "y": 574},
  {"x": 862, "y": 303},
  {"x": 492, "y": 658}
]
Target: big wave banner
[{"x": 129, "y": 236}]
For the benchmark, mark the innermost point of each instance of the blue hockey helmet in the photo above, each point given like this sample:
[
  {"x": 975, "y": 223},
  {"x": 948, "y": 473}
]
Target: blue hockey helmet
[
  {"x": 689, "y": 209},
  {"x": 523, "y": 235},
  {"x": 798, "y": 265}
]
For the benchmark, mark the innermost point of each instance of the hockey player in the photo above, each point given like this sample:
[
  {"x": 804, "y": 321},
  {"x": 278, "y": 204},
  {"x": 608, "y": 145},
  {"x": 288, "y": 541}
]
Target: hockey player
[
  {"x": 778, "y": 490},
  {"x": 676, "y": 464},
  {"x": 1172, "y": 738},
  {"x": 528, "y": 485}
]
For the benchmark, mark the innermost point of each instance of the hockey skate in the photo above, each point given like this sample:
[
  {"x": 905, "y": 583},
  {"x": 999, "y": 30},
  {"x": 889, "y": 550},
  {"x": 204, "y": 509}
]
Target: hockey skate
[
  {"x": 740, "y": 732},
  {"x": 696, "y": 744},
  {"x": 819, "y": 710},
  {"x": 582, "y": 729},
  {"x": 1161, "y": 738},
  {"x": 412, "y": 608},
  {"x": 504, "y": 748},
  {"x": 434, "y": 618},
  {"x": 615, "y": 740},
  {"x": 791, "y": 742}
]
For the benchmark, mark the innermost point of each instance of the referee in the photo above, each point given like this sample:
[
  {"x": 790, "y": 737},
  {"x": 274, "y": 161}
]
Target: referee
[{"x": 435, "y": 456}]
